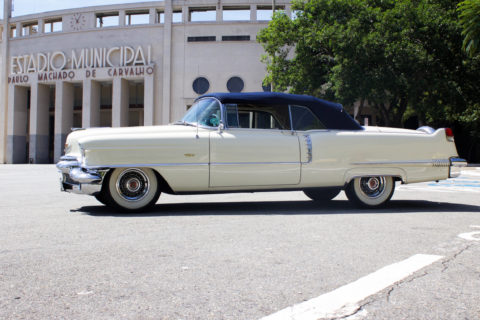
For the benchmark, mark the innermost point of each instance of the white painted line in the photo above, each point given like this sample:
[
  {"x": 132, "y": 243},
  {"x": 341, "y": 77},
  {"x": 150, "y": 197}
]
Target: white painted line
[
  {"x": 344, "y": 299},
  {"x": 471, "y": 236}
]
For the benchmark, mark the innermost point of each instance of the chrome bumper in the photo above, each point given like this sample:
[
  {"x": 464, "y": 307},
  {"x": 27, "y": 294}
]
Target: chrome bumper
[
  {"x": 79, "y": 180},
  {"x": 456, "y": 165}
]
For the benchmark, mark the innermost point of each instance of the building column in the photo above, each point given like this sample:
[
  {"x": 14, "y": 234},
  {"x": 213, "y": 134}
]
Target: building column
[
  {"x": 253, "y": 12},
  {"x": 120, "y": 103},
  {"x": 39, "y": 124},
  {"x": 219, "y": 12},
  {"x": 121, "y": 18},
  {"x": 91, "y": 103},
  {"x": 4, "y": 67},
  {"x": 152, "y": 16},
  {"x": 19, "y": 29},
  {"x": 167, "y": 62},
  {"x": 64, "y": 94},
  {"x": 288, "y": 10},
  {"x": 41, "y": 26},
  {"x": 17, "y": 124},
  {"x": 148, "y": 101}
]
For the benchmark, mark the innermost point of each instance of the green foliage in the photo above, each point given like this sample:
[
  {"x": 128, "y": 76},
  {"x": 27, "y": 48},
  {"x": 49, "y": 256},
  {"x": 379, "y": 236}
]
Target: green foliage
[
  {"x": 470, "y": 20},
  {"x": 404, "y": 58}
]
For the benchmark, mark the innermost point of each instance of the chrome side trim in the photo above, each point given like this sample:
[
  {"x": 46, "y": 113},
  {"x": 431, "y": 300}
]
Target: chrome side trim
[
  {"x": 250, "y": 163},
  {"x": 144, "y": 165},
  {"x": 308, "y": 142},
  {"x": 413, "y": 163},
  {"x": 149, "y": 165}
]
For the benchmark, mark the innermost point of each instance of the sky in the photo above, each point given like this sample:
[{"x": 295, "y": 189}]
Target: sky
[{"x": 23, "y": 7}]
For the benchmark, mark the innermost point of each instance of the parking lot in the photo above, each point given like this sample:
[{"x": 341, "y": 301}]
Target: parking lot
[{"x": 236, "y": 256}]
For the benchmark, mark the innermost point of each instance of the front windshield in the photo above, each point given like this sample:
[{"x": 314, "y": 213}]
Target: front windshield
[{"x": 205, "y": 112}]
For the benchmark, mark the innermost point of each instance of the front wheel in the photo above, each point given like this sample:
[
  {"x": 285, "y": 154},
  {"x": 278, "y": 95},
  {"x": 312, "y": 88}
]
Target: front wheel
[
  {"x": 370, "y": 192},
  {"x": 131, "y": 189}
]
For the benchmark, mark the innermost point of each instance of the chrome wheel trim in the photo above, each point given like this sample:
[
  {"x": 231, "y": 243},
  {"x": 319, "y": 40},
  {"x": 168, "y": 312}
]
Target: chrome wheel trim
[
  {"x": 372, "y": 187},
  {"x": 133, "y": 185}
]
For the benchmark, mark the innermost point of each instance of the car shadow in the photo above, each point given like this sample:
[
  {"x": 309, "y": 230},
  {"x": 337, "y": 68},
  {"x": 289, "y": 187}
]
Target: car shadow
[{"x": 279, "y": 208}]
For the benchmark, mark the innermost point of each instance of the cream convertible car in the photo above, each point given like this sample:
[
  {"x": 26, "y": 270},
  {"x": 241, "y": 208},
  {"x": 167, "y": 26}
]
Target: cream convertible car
[{"x": 254, "y": 142}]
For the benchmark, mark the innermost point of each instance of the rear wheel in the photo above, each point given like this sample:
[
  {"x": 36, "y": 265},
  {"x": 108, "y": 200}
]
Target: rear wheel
[
  {"x": 370, "y": 192},
  {"x": 131, "y": 189},
  {"x": 322, "y": 194}
]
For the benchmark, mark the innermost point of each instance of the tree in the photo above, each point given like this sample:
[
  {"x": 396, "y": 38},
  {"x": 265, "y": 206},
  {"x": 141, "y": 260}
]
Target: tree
[
  {"x": 403, "y": 57},
  {"x": 470, "y": 21}
]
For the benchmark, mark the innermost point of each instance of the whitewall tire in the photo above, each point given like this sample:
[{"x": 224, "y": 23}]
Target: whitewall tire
[
  {"x": 132, "y": 189},
  {"x": 370, "y": 192}
]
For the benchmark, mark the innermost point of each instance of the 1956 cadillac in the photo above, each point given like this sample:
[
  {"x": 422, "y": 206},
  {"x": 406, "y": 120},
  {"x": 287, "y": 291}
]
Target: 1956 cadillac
[{"x": 231, "y": 142}]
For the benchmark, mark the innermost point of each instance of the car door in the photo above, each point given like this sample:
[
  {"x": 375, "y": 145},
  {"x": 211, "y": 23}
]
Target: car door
[{"x": 257, "y": 148}]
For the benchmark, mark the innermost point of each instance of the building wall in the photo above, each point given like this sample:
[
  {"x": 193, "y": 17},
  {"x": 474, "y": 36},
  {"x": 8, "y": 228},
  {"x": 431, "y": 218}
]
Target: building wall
[{"x": 164, "y": 55}]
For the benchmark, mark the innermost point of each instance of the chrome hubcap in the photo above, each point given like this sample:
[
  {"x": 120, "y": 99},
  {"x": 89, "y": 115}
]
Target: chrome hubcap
[
  {"x": 133, "y": 185},
  {"x": 372, "y": 187}
]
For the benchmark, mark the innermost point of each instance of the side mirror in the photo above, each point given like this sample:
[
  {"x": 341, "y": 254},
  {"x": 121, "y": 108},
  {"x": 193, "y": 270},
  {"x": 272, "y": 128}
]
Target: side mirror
[{"x": 221, "y": 126}]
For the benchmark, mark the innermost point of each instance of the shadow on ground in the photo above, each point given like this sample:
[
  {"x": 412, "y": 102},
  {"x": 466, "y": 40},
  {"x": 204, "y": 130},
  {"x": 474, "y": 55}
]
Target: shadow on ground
[{"x": 280, "y": 208}]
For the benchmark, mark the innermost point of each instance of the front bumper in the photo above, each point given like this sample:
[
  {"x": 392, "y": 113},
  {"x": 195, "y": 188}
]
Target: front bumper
[
  {"x": 455, "y": 168},
  {"x": 77, "y": 179}
]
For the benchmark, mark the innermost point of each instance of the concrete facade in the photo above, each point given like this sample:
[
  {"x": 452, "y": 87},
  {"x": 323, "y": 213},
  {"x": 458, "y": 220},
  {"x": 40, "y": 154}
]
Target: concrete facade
[{"x": 119, "y": 65}]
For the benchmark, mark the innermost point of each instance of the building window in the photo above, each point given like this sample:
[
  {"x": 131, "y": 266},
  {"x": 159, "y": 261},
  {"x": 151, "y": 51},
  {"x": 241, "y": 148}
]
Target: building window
[
  {"x": 107, "y": 20},
  {"x": 201, "y": 39},
  {"x": 236, "y": 14},
  {"x": 177, "y": 16},
  {"x": 137, "y": 17},
  {"x": 202, "y": 14},
  {"x": 264, "y": 13},
  {"x": 13, "y": 31},
  {"x": 235, "y": 38},
  {"x": 235, "y": 84},
  {"x": 53, "y": 25},
  {"x": 200, "y": 85},
  {"x": 160, "y": 17},
  {"x": 30, "y": 28}
]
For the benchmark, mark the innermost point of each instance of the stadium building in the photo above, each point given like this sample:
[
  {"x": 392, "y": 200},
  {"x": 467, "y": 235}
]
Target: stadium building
[{"x": 120, "y": 65}]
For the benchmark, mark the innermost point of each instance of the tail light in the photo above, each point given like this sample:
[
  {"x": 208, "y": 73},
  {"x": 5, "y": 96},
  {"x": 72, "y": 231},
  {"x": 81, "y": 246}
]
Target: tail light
[{"x": 449, "y": 134}]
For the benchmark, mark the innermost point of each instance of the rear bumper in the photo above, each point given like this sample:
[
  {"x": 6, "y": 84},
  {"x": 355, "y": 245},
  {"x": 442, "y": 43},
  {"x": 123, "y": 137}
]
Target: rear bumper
[
  {"x": 79, "y": 180},
  {"x": 455, "y": 168}
]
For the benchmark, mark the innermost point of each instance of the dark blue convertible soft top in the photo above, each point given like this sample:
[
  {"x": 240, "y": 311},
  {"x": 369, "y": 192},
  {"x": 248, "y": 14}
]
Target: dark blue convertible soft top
[{"x": 332, "y": 115}]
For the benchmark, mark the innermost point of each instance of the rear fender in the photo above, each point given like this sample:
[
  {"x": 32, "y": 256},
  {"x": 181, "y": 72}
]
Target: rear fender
[{"x": 375, "y": 172}]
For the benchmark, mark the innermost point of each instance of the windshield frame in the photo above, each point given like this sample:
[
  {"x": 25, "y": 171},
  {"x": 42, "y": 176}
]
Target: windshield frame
[{"x": 196, "y": 124}]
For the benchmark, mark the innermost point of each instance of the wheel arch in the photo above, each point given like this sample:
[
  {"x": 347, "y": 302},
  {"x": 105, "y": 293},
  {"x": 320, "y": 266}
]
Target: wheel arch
[
  {"x": 397, "y": 173},
  {"x": 162, "y": 183}
]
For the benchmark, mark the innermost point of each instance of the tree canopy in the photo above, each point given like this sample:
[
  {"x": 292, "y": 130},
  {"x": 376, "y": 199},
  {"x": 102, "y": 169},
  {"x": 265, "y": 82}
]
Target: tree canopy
[
  {"x": 403, "y": 57},
  {"x": 470, "y": 21}
]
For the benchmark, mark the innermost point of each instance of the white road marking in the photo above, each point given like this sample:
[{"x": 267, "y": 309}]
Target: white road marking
[
  {"x": 344, "y": 300},
  {"x": 471, "y": 236}
]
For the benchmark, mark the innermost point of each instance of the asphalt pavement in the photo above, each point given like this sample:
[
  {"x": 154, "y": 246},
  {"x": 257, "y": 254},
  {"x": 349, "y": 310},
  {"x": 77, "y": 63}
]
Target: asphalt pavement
[{"x": 233, "y": 256}]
